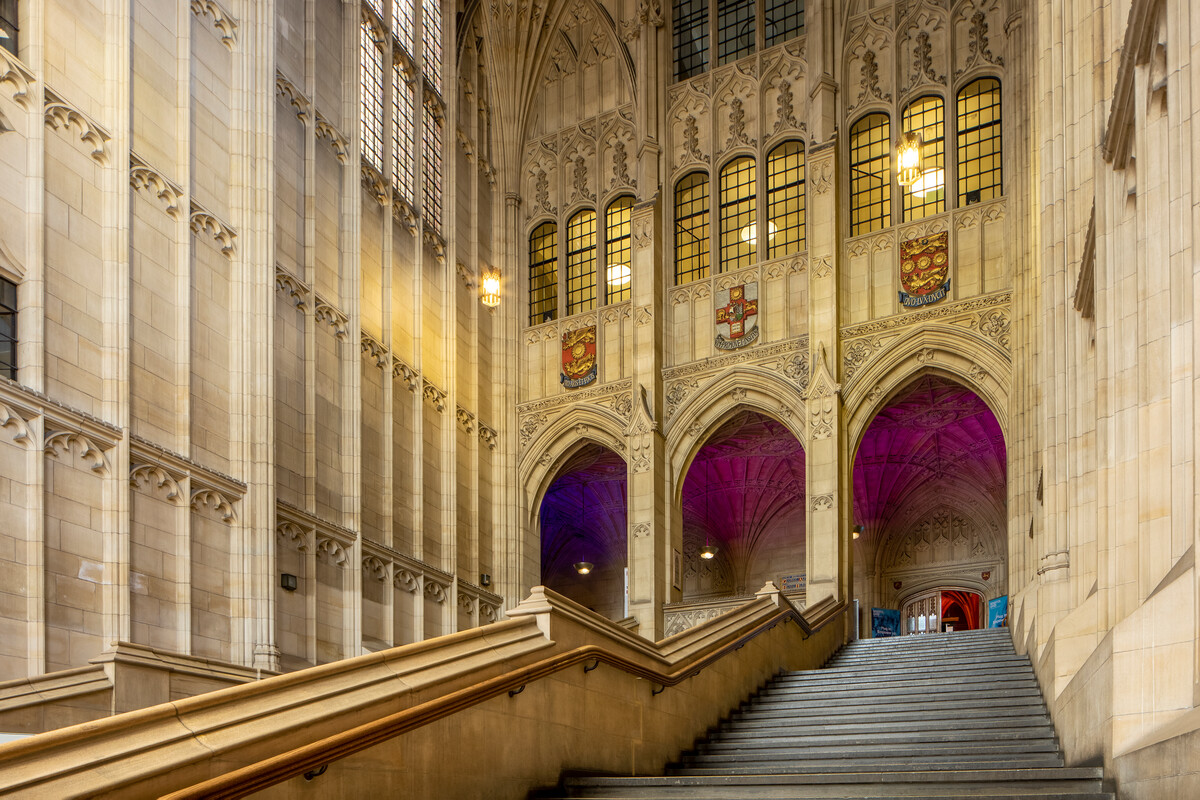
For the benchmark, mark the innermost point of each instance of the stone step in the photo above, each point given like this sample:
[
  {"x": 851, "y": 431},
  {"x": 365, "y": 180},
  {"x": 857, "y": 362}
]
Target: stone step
[
  {"x": 891, "y": 765},
  {"x": 889, "y": 710},
  {"x": 855, "y": 724},
  {"x": 898, "y": 681},
  {"x": 914, "y": 748},
  {"x": 970, "y": 699},
  {"x": 997, "y": 663},
  {"x": 720, "y": 741},
  {"x": 963, "y": 656}
]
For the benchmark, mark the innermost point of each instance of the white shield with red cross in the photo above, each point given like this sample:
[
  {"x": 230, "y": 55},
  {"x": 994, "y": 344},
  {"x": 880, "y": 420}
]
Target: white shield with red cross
[{"x": 737, "y": 316}]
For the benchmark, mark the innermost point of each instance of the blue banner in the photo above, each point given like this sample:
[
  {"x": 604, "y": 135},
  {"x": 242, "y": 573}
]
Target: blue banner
[
  {"x": 885, "y": 622},
  {"x": 998, "y": 612},
  {"x": 918, "y": 300}
]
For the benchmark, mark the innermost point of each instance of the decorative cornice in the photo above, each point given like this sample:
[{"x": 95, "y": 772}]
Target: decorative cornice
[
  {"x": 748, "y": 357},
  {"x": 145, "y": 178},
  {"x": 287, "y": 90},
  {"x": 576, "y": 397},
  {"x": 488, "y": 436},
  {"x": 404, "y": 213},
  {"x": 154, "y": 476},
  {"x": 434, "y": 395},
  {"x": 204, "y": 222},
  {"x": 333, "y": 318},
  {"x": 436, "y": 243},
  {"x": 374, "y": 183},
  {"x": 401, "y": 370},
  {"x": 373, "y": 348},
  {"x": 59, "y": 442},
  {"x": 1139, "y": 41},
  {"x": 1085, "y": 285},
  {"x": 223, "y": 21},
  {"x": 466, "y": 420},
  {"x": 144, "y": 451},
  {"x": 60, "y": 114},
  {"x": 927, "y": 314},
  {"x": 10, "y": 418},
  {"x": 325, "y": 130},
  {"x": 14, "y": 72},
  {"x": 290, "y": 286}
]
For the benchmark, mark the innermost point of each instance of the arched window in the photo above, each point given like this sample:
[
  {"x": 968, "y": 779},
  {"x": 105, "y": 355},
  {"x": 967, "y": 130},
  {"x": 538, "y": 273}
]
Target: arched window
[
  {"x": 618, "y": 231},
  {"x": 735, "y": 33},
  {"x": 543, "y": 273},
  {"x": 738, "y": 207},
  {"x": 785, "y": 199},
  {"x": 927, "y": 117},
  {"x": 979, "y": 169},
  {"x": 581, "y": 262},
  {"x": 691, "y": 228},
  {"x": 870, "y": 174}
]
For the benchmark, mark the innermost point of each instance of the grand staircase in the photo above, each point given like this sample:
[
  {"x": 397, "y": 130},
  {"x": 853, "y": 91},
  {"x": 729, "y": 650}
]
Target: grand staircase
[{"x": 942, "y": 715}]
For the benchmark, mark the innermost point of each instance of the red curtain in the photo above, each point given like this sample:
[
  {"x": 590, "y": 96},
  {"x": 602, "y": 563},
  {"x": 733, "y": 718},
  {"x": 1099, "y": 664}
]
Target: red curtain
[{"x": 968, "y": 606}]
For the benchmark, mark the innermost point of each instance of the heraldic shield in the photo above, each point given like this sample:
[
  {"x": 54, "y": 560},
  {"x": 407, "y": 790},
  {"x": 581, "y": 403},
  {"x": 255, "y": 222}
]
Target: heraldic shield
[
  {"x": 737, "y": 316},
  {"x": 578, "y": 357},
  {"x": 925, "y": 269}
]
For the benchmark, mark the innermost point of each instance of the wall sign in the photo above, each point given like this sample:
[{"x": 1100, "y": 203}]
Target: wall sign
[{"x": 925, "y": 269}]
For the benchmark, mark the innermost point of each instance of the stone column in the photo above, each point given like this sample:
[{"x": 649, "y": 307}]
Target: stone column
[{"x": 827, "y": 478}]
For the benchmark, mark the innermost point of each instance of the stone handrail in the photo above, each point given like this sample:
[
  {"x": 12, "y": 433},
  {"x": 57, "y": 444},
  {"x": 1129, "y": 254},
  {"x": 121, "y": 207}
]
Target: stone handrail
[{"x": 244, "y": 739}]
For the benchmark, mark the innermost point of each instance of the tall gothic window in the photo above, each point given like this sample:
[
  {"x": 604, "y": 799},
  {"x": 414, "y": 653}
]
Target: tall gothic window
[
  {"x": 927, "y": 117},
  {"x": 737, "y": 27},
  {"x": 618, "y": 231},
  {"x": 870, "y": 174},
  {"x": 691, "y": 228},
  {"x": 8, "y": 329},
  {"x": 431, "y": 42},
  {"x": 403, "y": 125},
  {"x": 581, "y": 262},
  {"x": 738, "y": 207},
  {"x": 8, "y": 25},
  {"x": 785, "y": 199},
  {"x": 543, "y": 274},
  {"x": 432, "y": 149},
  {"x": 402, "y": 24},
  {"x": 978, "y": 129},
  {"x": 371, "y": 108}
]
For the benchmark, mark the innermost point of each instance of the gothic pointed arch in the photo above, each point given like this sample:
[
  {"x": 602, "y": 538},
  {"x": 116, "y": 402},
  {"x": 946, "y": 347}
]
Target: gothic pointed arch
[
  {"x": 742, "y": 387},
  {"x": 560, "y": 440}
]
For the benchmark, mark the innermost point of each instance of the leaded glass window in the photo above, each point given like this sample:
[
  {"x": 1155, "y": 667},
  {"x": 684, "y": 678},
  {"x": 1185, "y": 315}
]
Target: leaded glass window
[
  {"x": 432, "y": 152},
  {"x": 618, "y": 231},
  {"x": 979, "y": 153},
  {"x": 690, "y": 38},
  {"x": 738, "y": 206},
  {"x": 403, "y": 126},
  {"x": 581, "y": 262},
  {"x": 8, "y": 329},
  {"x": 785, "y": 199},
  {"x": 691, "y": 228},
  {"x": 543, "y": 274},
  {"x": 371, "y": 105},
  {"x": 927, "y": 117},
  {"x": 735, "y": 30},
  {"x": 870, "y": 174}
]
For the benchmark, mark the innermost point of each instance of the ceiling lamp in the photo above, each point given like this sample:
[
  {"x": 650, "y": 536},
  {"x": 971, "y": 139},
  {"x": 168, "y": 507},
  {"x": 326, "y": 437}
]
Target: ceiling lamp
[
  {"x": 908, "y": 158},
  {"x": 618, "y": 275},
  {"x": 584, "y": 567},
  {"x": 489, "y": 288},
  {"x": 708, "y": 552},
  {"x": 931, "y": 180},
  {"x": 750, "y": 233}
]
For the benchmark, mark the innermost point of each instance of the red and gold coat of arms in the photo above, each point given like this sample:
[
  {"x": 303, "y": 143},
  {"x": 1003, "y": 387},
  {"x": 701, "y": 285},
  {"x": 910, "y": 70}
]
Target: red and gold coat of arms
[
  {"x": 578, "y": 357},
  {"x": 925, "y": 269}
]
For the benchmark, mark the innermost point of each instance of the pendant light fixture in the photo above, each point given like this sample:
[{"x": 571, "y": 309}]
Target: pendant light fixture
[
  {"x": 908, "y": 158},
  {"x": 582, "y": 566},
  {"x": 708, "y": 552}
]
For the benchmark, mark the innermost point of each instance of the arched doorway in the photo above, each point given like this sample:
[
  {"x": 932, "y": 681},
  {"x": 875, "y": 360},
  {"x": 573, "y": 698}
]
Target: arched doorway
[
  {"x": 583, "y": 531},
  {"x": 743, "y": 501},
  {"x": 930, "y": 494}
]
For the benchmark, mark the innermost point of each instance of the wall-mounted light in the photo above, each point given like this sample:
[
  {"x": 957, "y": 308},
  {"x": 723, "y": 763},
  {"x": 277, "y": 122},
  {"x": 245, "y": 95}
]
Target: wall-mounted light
[
  {"x": 618, "y": 275},
  {"x": 485, "y": 579},
  {"x": 908, "y": 158},
  {"x": 750, "y": 233},
  {"x": 856, "y": 531},
  {"x": 489, "y": 287},
  {"x": 584, "y": 567},
  {"x": 288, "y": 582}
]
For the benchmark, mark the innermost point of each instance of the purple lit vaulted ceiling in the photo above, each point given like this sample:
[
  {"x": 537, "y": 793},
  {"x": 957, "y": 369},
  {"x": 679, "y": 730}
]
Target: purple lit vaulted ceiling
[{"x": 935, "y": 444}]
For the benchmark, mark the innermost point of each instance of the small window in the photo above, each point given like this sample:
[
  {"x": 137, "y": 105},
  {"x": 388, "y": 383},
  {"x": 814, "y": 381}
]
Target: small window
[
  {"x": 8, "y": 26},
  {"x": 785, "y": 199},
  {"x": 8, "y": 329},
  {"x": 691, "y": 228},
  {"x": 402, "y": 24},
  {"x": 979, "y": 168},
  {"x": 581, "y": 262},
  {"x": 371, "y": 110},
  {"x": 870, "y": 174},
  {"x": 735, "y": 30},
  {"x": 738, "y": 207},
  {"x": 543, "y": 274},
  {"x": 618, "y": 229},
  {"x": 690, "y": 38},
  {"x": 926, "y": 116}
]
